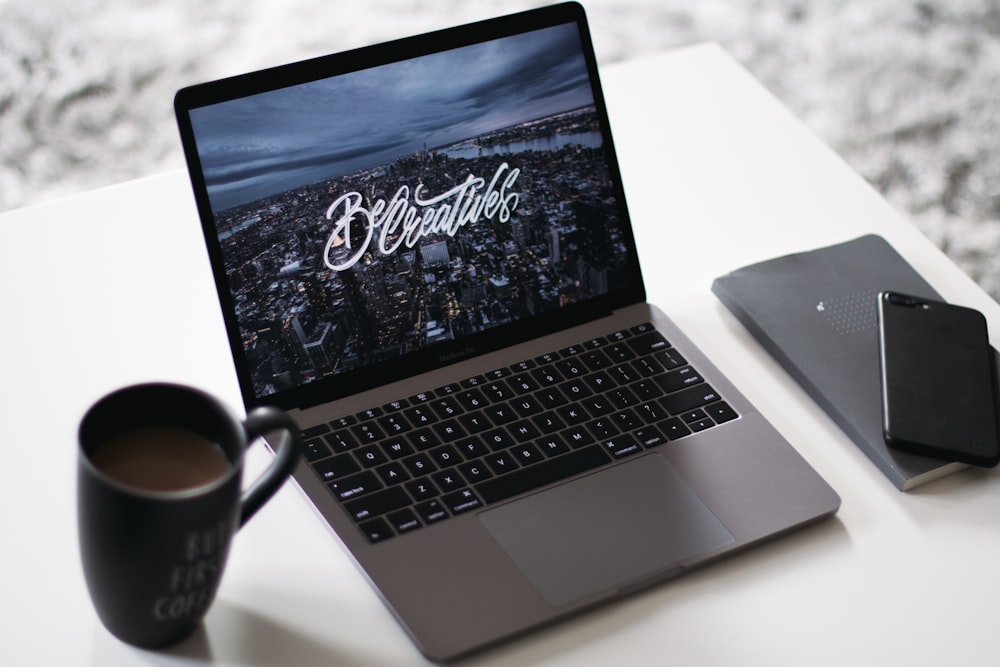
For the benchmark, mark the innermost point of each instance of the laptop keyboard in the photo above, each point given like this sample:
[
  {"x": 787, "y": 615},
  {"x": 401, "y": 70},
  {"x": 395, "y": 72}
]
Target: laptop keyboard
[{"x": 422, "y": 459}]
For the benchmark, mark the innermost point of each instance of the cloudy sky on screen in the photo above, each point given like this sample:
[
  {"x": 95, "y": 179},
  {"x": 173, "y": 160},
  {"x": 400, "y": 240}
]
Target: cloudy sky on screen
[{"x": 270, "y": 143}]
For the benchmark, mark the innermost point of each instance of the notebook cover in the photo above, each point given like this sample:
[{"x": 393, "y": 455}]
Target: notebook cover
[{"x": 815, "y": 312}]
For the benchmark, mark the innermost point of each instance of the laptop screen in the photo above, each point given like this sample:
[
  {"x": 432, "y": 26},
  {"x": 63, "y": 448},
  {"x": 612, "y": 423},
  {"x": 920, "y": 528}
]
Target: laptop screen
[{"x": 405, "y": 209}]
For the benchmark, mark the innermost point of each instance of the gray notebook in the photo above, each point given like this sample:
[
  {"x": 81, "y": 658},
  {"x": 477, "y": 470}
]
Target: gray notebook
[{"x": 815, "y": 313}]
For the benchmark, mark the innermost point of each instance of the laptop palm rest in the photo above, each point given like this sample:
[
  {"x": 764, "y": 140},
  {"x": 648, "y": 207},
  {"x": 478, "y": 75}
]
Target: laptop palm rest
[{"x": 586, "y": 536}]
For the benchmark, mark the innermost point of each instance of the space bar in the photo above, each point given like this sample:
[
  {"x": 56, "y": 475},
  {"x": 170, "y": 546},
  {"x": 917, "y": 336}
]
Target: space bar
[{"x": 532, "y": 477}]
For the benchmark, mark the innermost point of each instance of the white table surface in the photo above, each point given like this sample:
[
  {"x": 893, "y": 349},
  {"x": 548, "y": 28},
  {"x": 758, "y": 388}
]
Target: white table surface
[{"x": 113, "y": 286}]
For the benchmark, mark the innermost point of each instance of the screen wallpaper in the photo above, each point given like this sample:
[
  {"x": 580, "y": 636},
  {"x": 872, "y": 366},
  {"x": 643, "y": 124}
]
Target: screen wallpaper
[{"x": 372, "y": 214}]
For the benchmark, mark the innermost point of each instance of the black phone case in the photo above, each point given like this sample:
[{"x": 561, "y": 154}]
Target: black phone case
[{"x": 938, "y": 380}]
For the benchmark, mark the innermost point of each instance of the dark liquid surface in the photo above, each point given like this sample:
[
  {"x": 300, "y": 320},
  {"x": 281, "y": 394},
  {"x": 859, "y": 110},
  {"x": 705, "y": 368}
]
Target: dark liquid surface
[{"x": 161, "y": 458}]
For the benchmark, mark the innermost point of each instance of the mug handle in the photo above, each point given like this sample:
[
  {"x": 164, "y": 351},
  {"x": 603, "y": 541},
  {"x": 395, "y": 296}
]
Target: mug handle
[{"x": 260, "y": 421}]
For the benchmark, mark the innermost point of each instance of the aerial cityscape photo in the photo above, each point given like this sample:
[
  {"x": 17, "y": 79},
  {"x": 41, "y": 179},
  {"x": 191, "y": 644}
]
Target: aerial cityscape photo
[{"x": 412, "y": 243}]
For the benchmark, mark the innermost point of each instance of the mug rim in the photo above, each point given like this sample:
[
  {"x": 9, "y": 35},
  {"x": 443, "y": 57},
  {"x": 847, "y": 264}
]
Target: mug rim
[{"x": 85, "y": 451}]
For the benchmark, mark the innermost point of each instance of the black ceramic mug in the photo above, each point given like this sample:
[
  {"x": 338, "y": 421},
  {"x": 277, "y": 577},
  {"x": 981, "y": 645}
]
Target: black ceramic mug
[{"x": 159, "y": 497}]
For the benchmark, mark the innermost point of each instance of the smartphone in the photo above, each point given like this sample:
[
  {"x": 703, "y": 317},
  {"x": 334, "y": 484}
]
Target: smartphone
[{"x": 938, "y": 380}]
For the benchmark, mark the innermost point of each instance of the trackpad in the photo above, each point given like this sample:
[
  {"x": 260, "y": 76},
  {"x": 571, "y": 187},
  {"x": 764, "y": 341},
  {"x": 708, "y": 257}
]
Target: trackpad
[{"x": 605, "y": 530}]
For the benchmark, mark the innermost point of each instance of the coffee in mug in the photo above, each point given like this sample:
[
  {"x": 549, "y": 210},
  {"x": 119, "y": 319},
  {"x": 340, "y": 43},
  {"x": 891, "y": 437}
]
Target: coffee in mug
[
  {"x": 159, "y": 497},
  {"x": 161, "y": 458}
]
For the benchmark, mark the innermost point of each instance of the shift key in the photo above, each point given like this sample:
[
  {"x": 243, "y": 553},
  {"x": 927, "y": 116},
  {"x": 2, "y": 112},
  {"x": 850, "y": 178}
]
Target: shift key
[{"x": 378, "y": 503}]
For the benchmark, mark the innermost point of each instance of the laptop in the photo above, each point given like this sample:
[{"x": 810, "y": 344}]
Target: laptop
[{"x": 423, "y": 253}]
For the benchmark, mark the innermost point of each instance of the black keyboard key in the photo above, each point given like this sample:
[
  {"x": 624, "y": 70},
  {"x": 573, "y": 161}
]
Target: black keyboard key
[
  {"x": 393, "y": 424},
  {"x": 446, "y": 407},
  {"x": 603, "y": 427},
  {"x": 621, "y": 446},
  {"x": 424, "y": 439},
  {"x": 575, "y": 390},
  {"x": 370, "y": 456},
  {"x": 619, "y": 336},
  {"x": 650, "y": 436},
  {"x": 626, "y": 420},
  {"x": 494, "y": 391},
  {"x": 343, "y": 422},
  {"x": 314, "y": 431},
  {"x": 475, "y": 471},
  {"x": 595, "y": 360},
  {"x": 687, "y": 399},
  {"x": 574, "y": 414},
  {"x": 552, "y": 445},
  {"x": 678, "y": 379},
  {"x": 674, "y": 428},
  {"x": 624, "y": 374},
  {"x": 499, "y": 438},
  {"x": 420, "y": 415},
  {"x": 501, "y": 462},
  {"x": 721, "y": 412},
  {"x": 577, "y": 436},
  {"x": 422, "y": 489},
  {"x": 422, "y": 397},
  {"x": 550, "y": 398},
  {"x": 701, "y": 424},
  {"x": 355, "y": 485},
  {"x": 546, "y": 472},
  {"x": 461, "y": 501},
  {"x": 392, "y": 406},
  {"x": 367, "y": 433},
  {"x": 526, "y": 454},
  {"x": 522, "y": 366},
  {"x": 396, "y": 448},
  {"x": 404, "y": 521},
  {"x": 392, "y": 473},
  {"x": 419, "y": 464},
  {"x": 652, "y": 341},
  {"x": 546, "y": 376},
  {"x": 647, "y": 390},
  {"x": 651, "y": 412},
  {"x": 475, "y": 422},
  {"x": 500, "y": 414},
  {"x": 431, "y": 511},
  {"x": 336, "y": 467},
  {"x": 693, "y": 415},
  {"x": 619, "y": 352},
  {"x": 548, "y": 422},
  {"x": 314, "y": 450},
  {"x": 524, "y": 430},
  {"x": 647, "y": 366},
  {"x": 376, "y": 530},
  {"x": 671, "y": 359},
  {"x": 498, "y": 374},
  {"x": 377, "y": 504},
  {"x": 547, "y": 358},
  {"x": 449, "y": 431},
  {"x": 472, "y": 448},
  {"x": 468, "y": 383},
  {"x": 572, "y": 368},
  {"x": 522, "y": 384},
  {"x": 599, "y": 382},
  {"x": 341, "y": 440},
  {"x": 597, "y": 405},
  {"x": 622, "y": 398},
  {"x": 445, "y": 456},
  {"x": 370, "y": 413},
  {"x": 526, "y": 406},
  {"x": 448, "y": 480}
]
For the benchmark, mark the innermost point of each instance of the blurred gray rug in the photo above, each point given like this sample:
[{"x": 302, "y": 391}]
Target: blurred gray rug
[{"x": 908, "y": 92}]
